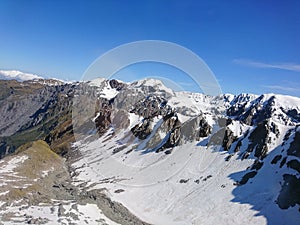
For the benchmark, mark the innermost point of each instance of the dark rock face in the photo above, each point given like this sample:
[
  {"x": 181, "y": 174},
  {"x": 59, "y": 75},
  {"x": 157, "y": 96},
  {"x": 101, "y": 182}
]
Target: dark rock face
[
  {"x": 238, "y": 146},
  {"x": 259, "y": 138},
  {"x": 142, "y": 130},
  {"x": 238, "y": 106},
  {"x": 265, "y": 112},
  {"x": 283, "y": 162},
  {"x": 103, "y": 113},
  {"x": 195, "y": 129},
  {"x": 293, "y": 114},
  {"x": 117, "y": 85},
  {"x": 247, "y": 176},
  {"x": 257, "y": 165},
  {"x": 204, "y": 128},
  {"x": 236, "y": 111},
  {"x": 175, "y": 131},
  {"x": 294, "y": 164},
  {"x": 276, "y": 159},
  {"x": 223, "y": 137},
  {"x": 290, "y": 192},
  {"x": 229, "y": 138},
  {"x": 294, "y": 148},
  {"x": 274, "y": 129},
  {"x": 258, "y": 111},
  {"x": 172, "y": 126},
  {"x": 148, "y": 108},
  {"x": 152, "y": 106},
  {"x": 247, "y": 117}
]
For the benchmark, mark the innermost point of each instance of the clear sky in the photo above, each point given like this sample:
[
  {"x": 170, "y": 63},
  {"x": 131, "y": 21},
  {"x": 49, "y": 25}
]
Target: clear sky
[{"x": 251, "y": 46}]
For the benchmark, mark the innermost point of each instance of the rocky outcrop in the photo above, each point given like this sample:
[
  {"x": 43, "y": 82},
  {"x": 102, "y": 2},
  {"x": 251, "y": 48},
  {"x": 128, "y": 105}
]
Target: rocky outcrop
[
  {"x": 103, "y": 115},
  {"x": 293, "y": 114},
  {"x": 259, "y": 138},
  {"x": 152, "y": 106},
  {"x": 228, "y": 139},
  {"x": 195, "y": 129},
  {"x": 276, "y": 159},
  {"x": 117, "y": 85},
  {"x": 142, "y": 130},
  {"x": 172, "y": 127},
  {"x": 294, "y": 164},
  {"x": 294, "y": 148},
  {"x": 113, "y": 210},
  {"x": 175, "y": 132},
  {"x": 149, "y": 108},
  {"x": 223, "y": 137},
  {"x": 289, "y": 195},
  {"x": 265, "y": 112},
  {"x": 246, "y": 177}
]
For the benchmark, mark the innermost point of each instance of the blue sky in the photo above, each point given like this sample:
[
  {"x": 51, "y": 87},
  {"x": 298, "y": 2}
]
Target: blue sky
[{"x": 251, "y": 46}]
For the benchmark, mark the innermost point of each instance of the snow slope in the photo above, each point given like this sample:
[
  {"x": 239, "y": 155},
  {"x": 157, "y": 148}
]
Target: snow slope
[
  {"x": 58, "y": 213},
  {"x": 194, "y": 185}
]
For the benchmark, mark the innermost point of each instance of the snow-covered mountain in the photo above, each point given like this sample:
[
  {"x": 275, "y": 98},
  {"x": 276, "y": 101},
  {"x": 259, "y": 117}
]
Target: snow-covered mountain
[
  {"x": 18, "y": 75},
  {"x": 234, "y": 159},
  {"x": 172, "y": 157},
  {"x": 22, "y": 76}
]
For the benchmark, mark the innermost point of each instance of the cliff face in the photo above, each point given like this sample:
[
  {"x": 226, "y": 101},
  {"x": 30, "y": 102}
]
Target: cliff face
[{"x": 34, "y": 110}]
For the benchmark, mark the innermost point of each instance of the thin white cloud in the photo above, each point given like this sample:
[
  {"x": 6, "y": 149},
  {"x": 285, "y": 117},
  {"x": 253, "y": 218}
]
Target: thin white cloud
[
  {"x": 282, "y": 66},
  {"x": 281, "y": 88}
]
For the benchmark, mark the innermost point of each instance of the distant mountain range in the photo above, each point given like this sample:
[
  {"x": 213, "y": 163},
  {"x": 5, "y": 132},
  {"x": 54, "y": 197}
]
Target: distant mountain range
[
  {"x": 140, "y": 153},
  {"x": 17, "y": 75}
]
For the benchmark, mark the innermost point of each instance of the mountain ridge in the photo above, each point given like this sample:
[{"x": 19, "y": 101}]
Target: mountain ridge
[{"x": 240, "y": 140}]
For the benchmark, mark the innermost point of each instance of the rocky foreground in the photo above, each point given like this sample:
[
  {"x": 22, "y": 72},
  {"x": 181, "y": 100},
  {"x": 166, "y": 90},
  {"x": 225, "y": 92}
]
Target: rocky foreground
[{"x": 37, "y": 188}]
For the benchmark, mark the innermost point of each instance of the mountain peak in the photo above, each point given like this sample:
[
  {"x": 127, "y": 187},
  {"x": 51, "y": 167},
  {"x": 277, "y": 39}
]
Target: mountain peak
[{"x": 157, "y": 84}]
